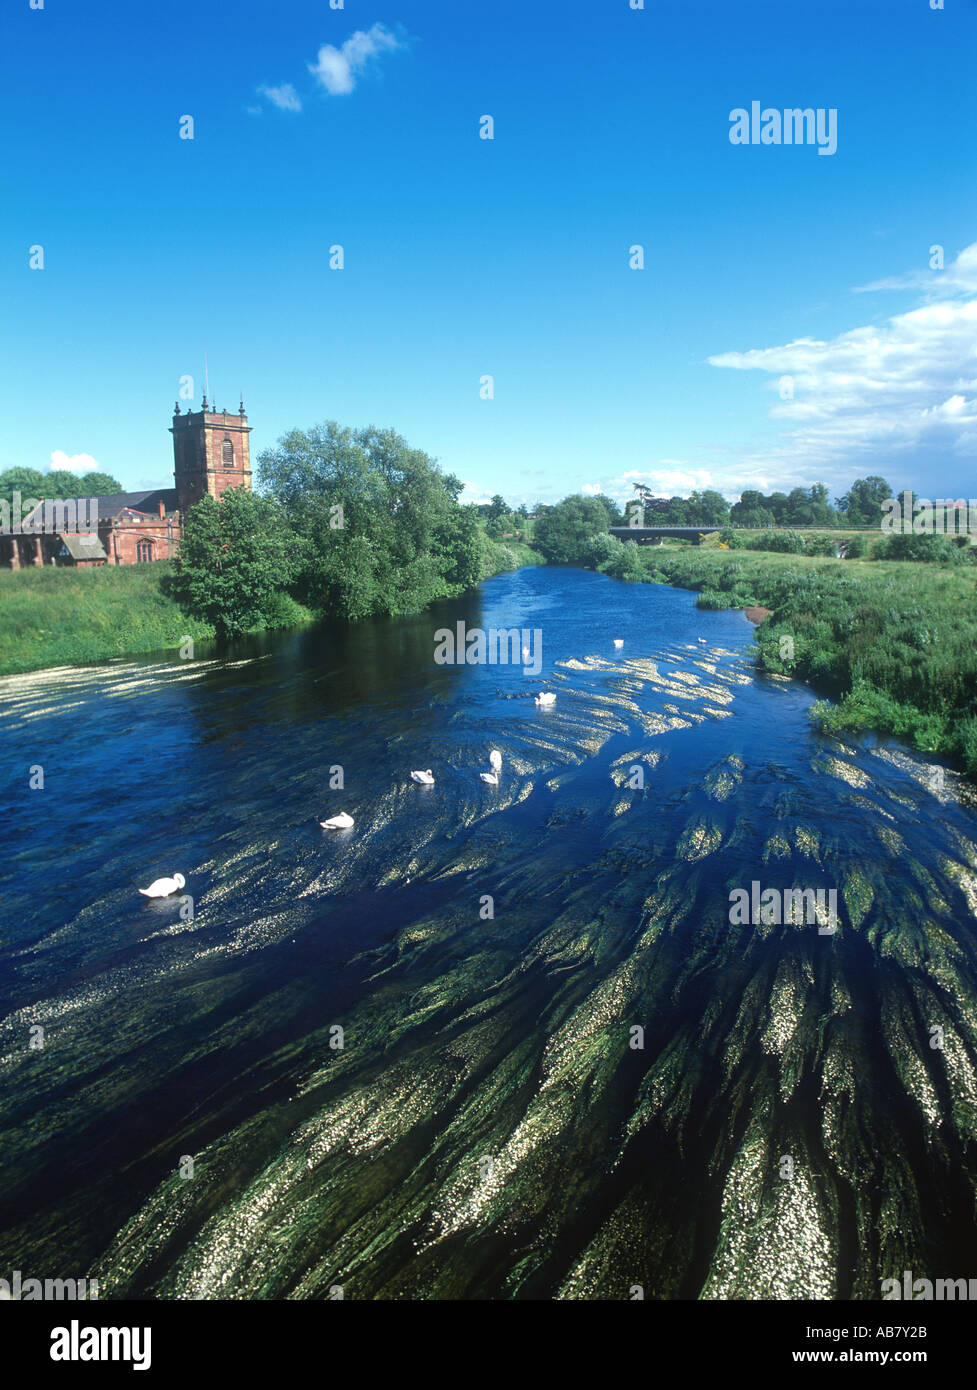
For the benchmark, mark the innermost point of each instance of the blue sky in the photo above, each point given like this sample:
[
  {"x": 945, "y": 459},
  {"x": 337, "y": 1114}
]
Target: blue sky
[{"x": 465, "y": 257}]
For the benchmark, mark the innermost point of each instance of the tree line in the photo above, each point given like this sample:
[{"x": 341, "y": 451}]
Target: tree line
[
  {"x": 55, "y": 485},
  {"x": 860, "y": 506}
]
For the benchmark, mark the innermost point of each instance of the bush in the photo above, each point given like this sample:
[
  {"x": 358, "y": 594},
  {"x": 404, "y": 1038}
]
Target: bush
[
  {"x": 281, "y": 610},
  {"x": 625, "y": 563},
  {"x": 786, "y": 542},
  {"x": 856, "y": 548},
  {"x": 820, "y": 545},
  {"x": 927, "y": 550},
  {"x": 600, "y": 549},
  {"x": 733, "y": 539}
]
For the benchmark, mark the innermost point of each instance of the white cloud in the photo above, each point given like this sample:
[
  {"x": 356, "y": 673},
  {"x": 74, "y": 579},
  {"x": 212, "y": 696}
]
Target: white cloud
[
  {"x": 473, "y": 493},
  {"x": 890, "y": 396},
  {"x": 668, "y": 478},
  {"x": 284, "y": 97},
  {"x": 337, "y": 68},
  {"x": 960, "y": 277},
  {"x": 73, "y": 463}
]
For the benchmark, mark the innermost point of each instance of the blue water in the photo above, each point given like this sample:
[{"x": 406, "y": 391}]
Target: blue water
[{"x": 492, "y": 1125}]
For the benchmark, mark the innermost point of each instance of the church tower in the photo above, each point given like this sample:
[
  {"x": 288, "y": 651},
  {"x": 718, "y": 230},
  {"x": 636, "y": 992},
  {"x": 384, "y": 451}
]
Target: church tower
[{"x": 210, "y": 453}]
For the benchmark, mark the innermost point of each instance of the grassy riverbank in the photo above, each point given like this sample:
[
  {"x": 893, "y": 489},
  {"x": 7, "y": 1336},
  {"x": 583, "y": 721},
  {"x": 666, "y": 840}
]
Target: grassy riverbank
[
  {"x": 68, "y": 617},
  {"x": 895, "y": 643}
]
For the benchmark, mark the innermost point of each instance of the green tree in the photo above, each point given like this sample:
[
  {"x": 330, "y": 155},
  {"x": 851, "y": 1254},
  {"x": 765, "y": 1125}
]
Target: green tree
[
  {"x": 98, "y": 485},
  {"x": 707, "y": 508},
  {"x": 751, "y": 510},
  {"x": 29, "y": 482},
  {"x": 60, "y": 483},
  {"x": 777, "y": 503},
  {"x": 862, "y": 503},
  {"x": 563, "y": 533},
  {"x": 235, "y": 556},
  {"x": 497, "y": 516},
  {"x": 615, "y": 515},
  {"x": 382, "y": 526}
]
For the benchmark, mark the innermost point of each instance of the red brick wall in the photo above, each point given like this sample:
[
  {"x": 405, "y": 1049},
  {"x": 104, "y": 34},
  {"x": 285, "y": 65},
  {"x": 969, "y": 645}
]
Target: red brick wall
[
  {"x": 198, "y": 461},
  {"x": 121, "y": 539}
]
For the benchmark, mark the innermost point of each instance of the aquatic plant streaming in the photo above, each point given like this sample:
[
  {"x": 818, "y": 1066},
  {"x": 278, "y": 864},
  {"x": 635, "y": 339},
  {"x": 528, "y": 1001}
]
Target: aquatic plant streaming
[{"x": 488, "y": 1128}]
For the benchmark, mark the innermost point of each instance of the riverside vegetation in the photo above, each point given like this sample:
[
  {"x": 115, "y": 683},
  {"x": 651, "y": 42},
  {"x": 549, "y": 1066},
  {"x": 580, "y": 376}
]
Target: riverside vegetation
[
  {"x": 889, "y": 632},
  {"x": 348, "y": 524},
  {"x": 352, "y": 524}
]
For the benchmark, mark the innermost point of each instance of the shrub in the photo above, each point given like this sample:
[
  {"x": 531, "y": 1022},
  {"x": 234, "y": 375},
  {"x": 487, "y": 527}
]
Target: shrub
[
  {"x": 625, "y": 563},
  {"x": 820, "y": 545},
  {"x": 931, "y": 550},
  {"x": 788, "y": 542},
  {"x": 600, "y": 548}
]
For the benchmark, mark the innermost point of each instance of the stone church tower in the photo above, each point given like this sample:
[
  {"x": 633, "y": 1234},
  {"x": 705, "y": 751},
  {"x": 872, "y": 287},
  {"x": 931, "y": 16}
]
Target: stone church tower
[{"x": 210, "y": 453}]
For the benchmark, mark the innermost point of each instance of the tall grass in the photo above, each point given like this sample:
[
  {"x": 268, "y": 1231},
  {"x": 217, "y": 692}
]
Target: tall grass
[
  {"x": 67, "y": 617},
  {"x": 58, "y": 617},
  {"x": 499, "y": 556},
  {"x": 894, "y": 642},
  {"x": 61, "y": 617}
]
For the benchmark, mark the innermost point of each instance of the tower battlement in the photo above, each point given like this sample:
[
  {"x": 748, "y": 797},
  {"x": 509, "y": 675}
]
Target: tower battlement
[{"x": 211, "y": 452}]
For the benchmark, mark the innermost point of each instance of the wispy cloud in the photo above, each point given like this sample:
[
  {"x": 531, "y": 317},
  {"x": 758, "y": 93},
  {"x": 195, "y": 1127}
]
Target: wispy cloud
[
  {"x": 902, "y": 394},
  {"x": 284, "y": 97},
  {"x": 958, "y": 278},
  {"x": 337, "y": 69}
]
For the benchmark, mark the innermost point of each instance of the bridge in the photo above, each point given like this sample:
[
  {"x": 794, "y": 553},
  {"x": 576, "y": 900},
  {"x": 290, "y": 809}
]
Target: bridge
[{"x": 647, "y": 535}]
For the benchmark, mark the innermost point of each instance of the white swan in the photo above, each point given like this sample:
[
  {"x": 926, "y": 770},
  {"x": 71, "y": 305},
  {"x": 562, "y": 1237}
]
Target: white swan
[
  {"x": 340, "y": 822},
  {"x": 495, "y": 758},
  {"x": 546, "y": 697},
  {"x": 426, "y": 779},
  {"x": 163, "y": 887},
  {"x": 619, "y": 641},
  {"x": 491, "y": 777}
]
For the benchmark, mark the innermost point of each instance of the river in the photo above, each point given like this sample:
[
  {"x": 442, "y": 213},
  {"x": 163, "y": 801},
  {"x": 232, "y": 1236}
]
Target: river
[{"x": 494, "y": 1042}]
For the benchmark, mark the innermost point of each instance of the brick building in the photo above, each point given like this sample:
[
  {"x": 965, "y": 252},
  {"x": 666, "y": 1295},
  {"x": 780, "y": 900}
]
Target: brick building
[{"x": 211, "y": 453}]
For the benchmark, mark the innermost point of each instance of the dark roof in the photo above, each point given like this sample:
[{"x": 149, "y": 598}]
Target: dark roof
[
  {"x": 84, "y": 547},
  {"x": 109, "y": 507},
  {"x": 138, "y": 502}
]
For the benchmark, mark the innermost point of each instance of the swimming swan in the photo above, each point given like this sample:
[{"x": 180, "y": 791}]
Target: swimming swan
[
  {"x": 340, "y": 822},
  {"x": 426, "y": 779},
  {"x": 163, "y": 887},
  {"x": 546, "y": 697}
]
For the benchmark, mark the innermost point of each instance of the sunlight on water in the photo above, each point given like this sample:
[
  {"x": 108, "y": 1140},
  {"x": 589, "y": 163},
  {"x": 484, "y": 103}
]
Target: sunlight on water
[{"x": 597, "y": 1081}]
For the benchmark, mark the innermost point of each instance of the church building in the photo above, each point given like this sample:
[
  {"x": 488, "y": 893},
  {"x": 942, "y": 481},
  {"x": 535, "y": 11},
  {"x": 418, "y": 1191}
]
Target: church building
[{"x": 211, "y": 453}]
